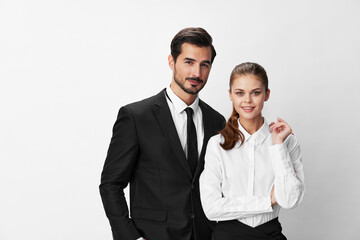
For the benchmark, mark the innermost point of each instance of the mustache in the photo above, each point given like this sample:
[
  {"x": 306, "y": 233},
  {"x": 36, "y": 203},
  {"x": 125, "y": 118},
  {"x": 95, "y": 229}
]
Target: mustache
[{"x": 194, "y": 79}]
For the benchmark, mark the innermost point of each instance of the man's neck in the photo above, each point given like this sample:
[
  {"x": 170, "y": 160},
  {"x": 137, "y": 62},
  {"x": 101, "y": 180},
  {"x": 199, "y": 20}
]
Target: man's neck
[{"x": 184, "y": 96}]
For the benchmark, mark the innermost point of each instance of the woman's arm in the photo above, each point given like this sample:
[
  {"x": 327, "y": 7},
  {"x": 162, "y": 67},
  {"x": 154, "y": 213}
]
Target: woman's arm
[
  {"x": 289, "y": 184},
  {"x": 218, "y": 207}
]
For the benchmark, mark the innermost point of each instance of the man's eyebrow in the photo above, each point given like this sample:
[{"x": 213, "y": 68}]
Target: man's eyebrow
[
  {"x": 207, "y": 61},
  {"x": 193, "y": 60}
]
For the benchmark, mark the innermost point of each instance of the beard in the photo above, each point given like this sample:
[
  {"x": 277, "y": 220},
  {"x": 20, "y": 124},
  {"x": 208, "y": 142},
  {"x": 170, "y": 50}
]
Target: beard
[{"x": 191, "y": 90}]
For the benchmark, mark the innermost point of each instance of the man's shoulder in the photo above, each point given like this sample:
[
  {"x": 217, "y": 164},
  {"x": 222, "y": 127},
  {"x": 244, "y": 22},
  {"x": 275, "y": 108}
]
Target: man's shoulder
[
  {"x": 215, "y": 114},
  {"x": 146, "y": 103}
]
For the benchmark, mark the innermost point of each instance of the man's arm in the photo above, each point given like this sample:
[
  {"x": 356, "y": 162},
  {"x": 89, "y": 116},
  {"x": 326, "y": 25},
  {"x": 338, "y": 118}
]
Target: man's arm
[{"x": 120, "y": 161}]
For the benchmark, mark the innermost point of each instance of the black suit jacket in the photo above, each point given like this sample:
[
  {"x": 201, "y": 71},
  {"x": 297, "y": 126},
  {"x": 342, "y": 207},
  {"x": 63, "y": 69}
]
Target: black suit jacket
[{"x": 146, "y": 152}]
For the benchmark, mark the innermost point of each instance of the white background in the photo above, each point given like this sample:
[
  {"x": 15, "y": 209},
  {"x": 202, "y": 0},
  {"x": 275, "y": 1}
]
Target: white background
[{"x": 67, "y": 66}]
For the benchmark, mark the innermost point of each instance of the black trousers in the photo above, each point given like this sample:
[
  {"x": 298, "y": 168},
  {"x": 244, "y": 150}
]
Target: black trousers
[{"x": 233, "y": 230}]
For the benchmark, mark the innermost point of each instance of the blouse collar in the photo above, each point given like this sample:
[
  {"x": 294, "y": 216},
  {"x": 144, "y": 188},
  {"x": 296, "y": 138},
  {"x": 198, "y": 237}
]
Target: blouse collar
[{"x": 259, "y": 136}]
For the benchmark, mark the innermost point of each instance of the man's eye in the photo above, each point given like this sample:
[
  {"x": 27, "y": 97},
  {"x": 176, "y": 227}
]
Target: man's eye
[
  {"x": 205, "y": 65},
  {"x": 188, "y": 62}
]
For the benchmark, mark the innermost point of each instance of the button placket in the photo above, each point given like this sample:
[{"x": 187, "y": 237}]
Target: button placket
[{"x": 250, "y": 189}]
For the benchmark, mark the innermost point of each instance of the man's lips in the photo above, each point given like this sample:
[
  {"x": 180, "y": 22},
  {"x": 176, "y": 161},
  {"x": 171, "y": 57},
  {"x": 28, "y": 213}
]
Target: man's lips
[
  {"x": 248, "y": 109},
  {"x": 194, "y": 81}
]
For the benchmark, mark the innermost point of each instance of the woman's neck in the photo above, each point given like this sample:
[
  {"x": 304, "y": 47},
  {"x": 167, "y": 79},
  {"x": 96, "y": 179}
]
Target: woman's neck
[{"x": 251, "y": 125}]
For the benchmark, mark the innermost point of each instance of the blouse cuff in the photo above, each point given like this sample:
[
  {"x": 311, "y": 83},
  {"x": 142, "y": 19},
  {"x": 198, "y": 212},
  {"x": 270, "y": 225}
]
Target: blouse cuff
[{"x": 280, "y": 159}]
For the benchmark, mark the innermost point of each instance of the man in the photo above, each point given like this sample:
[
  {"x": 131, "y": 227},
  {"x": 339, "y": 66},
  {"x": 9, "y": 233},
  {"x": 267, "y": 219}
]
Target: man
[{"x": 158, "y": 146}]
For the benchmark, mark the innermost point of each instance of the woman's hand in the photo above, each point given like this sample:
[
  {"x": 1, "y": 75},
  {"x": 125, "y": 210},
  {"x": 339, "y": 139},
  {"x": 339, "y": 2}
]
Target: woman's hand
[
  {"x": 273, "y": 199},
  {"x": 279, "y": 131}
]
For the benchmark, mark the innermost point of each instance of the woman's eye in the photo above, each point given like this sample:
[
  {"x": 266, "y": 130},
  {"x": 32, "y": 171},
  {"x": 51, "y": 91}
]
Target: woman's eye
[
  {"x": 256, "y": 93},
  {"x": 239, "y": 93}
]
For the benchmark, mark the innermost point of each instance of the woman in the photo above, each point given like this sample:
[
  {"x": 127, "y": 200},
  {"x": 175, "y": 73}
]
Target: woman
[{"x": 251, "y": 169}]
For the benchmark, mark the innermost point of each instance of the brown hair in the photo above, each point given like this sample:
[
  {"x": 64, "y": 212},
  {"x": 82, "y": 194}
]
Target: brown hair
[
  {"x": 231, "y": 132},
  {"x": 196, "y": 36}
]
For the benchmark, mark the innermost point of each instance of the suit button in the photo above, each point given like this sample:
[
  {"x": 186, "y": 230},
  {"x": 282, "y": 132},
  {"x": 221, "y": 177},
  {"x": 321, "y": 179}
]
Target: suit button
[
  {"x": 192, "y": 215},
  {"x": 192, "y": 186}
]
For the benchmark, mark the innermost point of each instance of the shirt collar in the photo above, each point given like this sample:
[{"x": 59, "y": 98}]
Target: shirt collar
[
  {"x": 259, "y": 136},
  {"x": 179, "y": 104}
]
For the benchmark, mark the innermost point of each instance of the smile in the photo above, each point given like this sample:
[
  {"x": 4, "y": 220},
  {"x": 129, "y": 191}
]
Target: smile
[{"x": 248, "y": 109}]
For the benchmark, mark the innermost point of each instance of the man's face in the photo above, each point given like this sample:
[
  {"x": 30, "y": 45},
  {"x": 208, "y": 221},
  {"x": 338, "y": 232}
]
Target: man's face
[{"x": 192, "y": 68}]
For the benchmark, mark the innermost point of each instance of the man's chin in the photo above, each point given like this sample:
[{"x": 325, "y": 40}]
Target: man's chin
[{"x": 192, "y": 90}]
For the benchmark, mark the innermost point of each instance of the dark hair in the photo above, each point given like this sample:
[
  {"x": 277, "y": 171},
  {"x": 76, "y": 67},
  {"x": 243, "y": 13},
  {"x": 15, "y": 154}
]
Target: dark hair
[
  {"x": 231, "y": 132},
  {"x": 196, "y": 36}
]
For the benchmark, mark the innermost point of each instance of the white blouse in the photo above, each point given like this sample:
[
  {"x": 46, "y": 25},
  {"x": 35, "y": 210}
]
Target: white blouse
[{"x": 237, "y": 183}]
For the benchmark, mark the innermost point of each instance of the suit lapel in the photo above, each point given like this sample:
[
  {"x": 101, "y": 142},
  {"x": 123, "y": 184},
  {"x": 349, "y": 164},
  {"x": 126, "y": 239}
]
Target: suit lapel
[
  {"x": 163, "y": 115},
  {"x": 208, "y": 126}
]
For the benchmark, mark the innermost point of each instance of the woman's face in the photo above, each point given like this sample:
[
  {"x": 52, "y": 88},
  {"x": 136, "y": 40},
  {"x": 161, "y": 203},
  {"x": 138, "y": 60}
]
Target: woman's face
[{"x": 248, "y": 95}]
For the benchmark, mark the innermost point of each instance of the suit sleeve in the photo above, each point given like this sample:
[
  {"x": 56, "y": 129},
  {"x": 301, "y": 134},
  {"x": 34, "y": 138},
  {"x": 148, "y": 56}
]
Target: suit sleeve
[{"x": 119, "y": 164}]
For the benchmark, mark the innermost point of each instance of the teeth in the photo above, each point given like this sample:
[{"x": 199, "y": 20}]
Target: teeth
[{"x": 248, "y": 108}]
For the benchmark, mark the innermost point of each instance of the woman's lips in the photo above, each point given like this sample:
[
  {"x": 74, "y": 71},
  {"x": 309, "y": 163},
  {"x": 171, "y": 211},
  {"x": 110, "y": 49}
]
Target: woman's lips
[{"x": 248, "y": 109}]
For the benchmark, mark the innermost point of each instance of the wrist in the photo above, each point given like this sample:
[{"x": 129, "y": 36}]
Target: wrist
[{"x": 277, "y": 141}]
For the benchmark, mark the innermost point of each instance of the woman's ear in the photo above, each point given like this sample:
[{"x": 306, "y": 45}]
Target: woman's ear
[
  {"x": 230, "y": 96},
  {"x": 267, "y": 95}
]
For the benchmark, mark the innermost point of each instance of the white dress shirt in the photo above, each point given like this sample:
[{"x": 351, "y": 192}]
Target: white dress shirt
[
  {"x": 237, "y": 183},
  {"x": 177, "y": 109}
]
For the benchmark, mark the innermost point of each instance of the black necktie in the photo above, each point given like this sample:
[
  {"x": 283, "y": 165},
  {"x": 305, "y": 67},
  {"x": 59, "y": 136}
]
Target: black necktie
[{"x": 191, "y": 141}]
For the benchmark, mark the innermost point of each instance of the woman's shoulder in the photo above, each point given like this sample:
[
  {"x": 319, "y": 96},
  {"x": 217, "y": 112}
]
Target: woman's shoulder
[
  {"x": 214, "y": 151},
  {"x": 216, "y": 139}
]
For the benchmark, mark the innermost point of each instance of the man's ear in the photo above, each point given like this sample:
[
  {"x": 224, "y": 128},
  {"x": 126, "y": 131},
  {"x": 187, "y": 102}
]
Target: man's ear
[
  {"x": 267, "y": 95},
  {"x": 171, "y": 62}
]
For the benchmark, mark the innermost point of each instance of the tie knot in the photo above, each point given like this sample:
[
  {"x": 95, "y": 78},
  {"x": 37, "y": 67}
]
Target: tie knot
[{"x": 189, "y": 112}]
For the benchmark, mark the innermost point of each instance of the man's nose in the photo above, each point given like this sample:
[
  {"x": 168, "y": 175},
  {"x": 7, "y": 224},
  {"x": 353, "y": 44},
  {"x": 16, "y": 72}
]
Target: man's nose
[{"x": 196, "y": 71}]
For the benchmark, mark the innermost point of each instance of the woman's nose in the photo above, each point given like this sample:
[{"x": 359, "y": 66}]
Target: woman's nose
[{"x": 248, "y": 98}]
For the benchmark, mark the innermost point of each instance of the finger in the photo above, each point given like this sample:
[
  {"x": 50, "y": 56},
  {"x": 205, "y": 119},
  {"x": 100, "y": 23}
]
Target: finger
[
  {"x": 270, "y": 125},
  {"x": 279, "y": 127},
  {"x": 281, "y": 120},
  {"x": 278, "y": 124},
  {"x": 283, "y": 129},
  {"x": 274, "y": 127},
  {"x": 284, "y": 124},
  {"x": 274, "y": 124}
]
